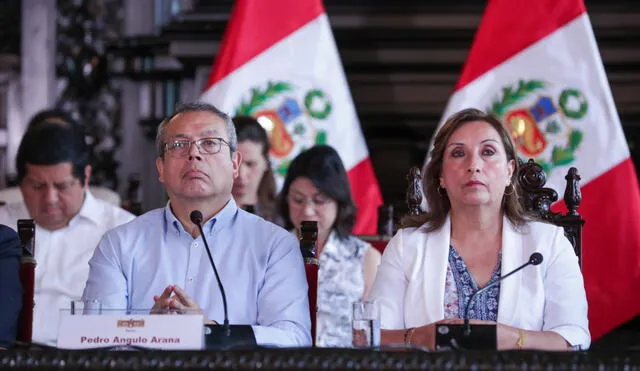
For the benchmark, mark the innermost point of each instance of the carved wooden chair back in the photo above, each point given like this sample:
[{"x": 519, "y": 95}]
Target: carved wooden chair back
[{"x": 537, "y": 200}]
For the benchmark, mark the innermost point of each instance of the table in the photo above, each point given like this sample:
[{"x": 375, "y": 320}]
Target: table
[{"x": 312, "y": 359}]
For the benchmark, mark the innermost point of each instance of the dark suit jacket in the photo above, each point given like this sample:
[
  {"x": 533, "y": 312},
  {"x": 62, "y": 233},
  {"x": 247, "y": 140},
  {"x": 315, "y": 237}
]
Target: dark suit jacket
[{"x": 10, "y": 287}]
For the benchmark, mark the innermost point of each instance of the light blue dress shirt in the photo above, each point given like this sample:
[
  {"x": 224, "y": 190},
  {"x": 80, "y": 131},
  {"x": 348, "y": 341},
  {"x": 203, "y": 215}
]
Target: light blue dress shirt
[{"x": 259, "y": 263}]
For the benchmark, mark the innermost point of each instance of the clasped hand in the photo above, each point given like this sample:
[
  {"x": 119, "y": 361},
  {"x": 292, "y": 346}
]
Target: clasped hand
[{"x": 174, "y": 300}]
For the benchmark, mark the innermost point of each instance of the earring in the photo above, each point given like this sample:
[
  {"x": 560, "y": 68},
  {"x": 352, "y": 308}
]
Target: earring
[
  {"x": 510, "y": 186},
  {"x": 442, "y": 191}
]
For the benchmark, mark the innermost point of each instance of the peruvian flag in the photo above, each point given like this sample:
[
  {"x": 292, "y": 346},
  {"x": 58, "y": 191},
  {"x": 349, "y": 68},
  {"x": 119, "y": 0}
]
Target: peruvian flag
[
  {"x": 537, "y": 66},
  {"x": 278, "y": 62}
]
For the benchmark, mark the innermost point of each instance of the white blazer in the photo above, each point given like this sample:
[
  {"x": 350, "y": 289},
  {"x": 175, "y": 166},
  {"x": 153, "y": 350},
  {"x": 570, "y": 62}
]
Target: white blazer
[{"x": 411, "y": 279}]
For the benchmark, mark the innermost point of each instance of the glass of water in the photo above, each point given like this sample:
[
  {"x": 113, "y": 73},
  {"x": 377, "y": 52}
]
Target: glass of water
[
  {"x": 366, "y": 324},
  {"x": 85, "y": 307}
]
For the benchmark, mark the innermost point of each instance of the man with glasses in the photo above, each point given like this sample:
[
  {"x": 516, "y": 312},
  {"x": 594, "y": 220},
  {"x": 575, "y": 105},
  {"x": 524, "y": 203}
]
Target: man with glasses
[
  {"x": 53, "y": 174},
  {"x": 159, "y": 262}
]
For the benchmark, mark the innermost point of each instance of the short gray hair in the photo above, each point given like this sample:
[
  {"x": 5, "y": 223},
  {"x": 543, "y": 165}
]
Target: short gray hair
[{"x": 196, "y": 107}]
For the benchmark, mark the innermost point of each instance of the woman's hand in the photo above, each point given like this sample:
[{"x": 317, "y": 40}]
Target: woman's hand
[
  {"x": 515, "y": 338},
  {"x": 507, "y": 337}
]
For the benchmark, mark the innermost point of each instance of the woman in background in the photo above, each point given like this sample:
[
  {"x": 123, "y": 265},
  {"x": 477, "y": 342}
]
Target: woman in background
[
  {"x": 255, "y": 188},
  {"x": 317, "y": 189}
]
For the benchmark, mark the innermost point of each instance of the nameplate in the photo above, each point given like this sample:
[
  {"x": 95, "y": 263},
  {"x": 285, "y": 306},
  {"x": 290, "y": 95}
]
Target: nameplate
[{"x": 183, "y": 332}]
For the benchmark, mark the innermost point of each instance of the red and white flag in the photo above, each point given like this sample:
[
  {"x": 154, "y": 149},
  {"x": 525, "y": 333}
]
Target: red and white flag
[
  {"x": 536, "y": 65},
  {"x": 278, "y": 61}
]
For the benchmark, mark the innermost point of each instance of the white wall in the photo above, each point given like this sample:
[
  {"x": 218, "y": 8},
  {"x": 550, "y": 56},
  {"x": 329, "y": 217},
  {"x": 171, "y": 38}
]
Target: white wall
[{"x": 35, "y": 90}]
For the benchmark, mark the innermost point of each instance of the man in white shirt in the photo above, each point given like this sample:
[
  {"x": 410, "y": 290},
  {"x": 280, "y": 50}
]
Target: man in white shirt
[{"x": 53, "y": 175}]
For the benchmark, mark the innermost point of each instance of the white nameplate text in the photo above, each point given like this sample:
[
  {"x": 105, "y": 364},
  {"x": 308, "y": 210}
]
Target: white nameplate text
[{"x": 157, "y": 331}]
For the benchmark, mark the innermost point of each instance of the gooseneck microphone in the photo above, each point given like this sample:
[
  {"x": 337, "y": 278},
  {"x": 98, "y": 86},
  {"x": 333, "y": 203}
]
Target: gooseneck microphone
[
  {"x": 534, "y": 259},
  {"x": 196, "y": 218}
]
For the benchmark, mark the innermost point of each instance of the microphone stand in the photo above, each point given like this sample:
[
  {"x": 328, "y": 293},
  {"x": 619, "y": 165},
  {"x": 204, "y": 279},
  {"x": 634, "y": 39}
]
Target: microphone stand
[
  {"x": 227, "y": 329},
  {"x": 534, "y": 259},
  {"x": 242, "y": 336},
  {"x": 460, "y": 336}
]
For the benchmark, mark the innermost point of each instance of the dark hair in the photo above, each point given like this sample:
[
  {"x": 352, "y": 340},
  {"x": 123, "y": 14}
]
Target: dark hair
[
  {"x": 53, "y": 116},
  {"x": 438, "y": 203},
  {"x": 196, "y": 107},
  {"x": 248, "y": 129},
  {"x": 49, "y": 143},
  {"x": 323, "y": 166}
]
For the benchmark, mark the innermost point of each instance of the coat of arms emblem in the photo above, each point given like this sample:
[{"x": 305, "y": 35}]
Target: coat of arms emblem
[
  {"x": 288, "y": 114},
  {"x": 543, "y": 126}
]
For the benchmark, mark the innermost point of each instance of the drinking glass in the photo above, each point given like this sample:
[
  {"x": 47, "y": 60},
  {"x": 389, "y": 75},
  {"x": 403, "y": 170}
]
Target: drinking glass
[
  {"x": 84, "y": 307},
  {"x": 366, "y": 324}
]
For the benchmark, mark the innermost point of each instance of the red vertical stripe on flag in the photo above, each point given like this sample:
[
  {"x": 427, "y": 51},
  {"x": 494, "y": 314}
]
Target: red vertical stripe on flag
[
  {"x": 264, "y": 23},
  {"x": 366, "y": 194},
  {"x": 611, "y": 247},
  {"x": 508, "y": 27}
]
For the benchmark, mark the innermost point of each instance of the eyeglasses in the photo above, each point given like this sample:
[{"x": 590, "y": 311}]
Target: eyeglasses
[
  {"x": 301, "y": 201},
  {"x": 208, "y": 146}
]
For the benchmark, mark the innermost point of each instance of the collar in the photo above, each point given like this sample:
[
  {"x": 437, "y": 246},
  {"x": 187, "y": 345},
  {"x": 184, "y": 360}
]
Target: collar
[
  {"x": 89, "y": 210},
  {"x": 222, "y": 219},
  {"x": 513, "y": 254},
  {"x": 332, "y": 242}
]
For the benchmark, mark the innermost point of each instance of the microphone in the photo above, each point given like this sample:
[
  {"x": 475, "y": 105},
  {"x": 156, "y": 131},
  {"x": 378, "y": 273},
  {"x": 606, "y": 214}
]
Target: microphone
[
  {"x": 534, "y": 259},
  {"x": 196, "y": 218}
]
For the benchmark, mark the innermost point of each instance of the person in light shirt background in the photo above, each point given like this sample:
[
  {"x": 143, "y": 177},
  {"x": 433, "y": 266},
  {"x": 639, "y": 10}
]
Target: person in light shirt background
[
  {"x": 316, "y": 188},
  {"x": 159, "y": 260},
  {"x": 53, "y": 175},
  {"x": 255, "y": 185}
]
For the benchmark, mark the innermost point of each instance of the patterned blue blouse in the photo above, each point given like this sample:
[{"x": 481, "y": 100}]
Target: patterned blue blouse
[{"x": 460, "y": 285}]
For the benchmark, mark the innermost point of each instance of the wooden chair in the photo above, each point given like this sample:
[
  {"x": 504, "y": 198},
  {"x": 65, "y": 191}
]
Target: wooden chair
[
  {"x": 308, "y": 238},
  {"x": 311, "y": 269},
  {"x": 535, "y": 198},
  {"x": 386, "y": 229},
  {"x": 133, "y": 200},
  {"x": 26, "y": 232},
  {"x": 387, "y": 225},
  {"x": 379, "y": 242}
]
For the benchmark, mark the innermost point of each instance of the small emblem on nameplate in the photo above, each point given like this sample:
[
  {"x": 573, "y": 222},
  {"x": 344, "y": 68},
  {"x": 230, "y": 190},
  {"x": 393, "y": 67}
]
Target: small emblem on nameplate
[{"x": 130, "y": 323}]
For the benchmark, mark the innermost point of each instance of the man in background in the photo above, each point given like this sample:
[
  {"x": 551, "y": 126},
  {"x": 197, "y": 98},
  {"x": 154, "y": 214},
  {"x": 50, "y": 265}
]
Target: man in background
[{"x": 53, "y": 175}]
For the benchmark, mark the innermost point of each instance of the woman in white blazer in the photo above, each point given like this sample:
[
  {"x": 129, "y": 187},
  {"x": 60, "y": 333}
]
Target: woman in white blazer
[{"x": 474, "y": 232}]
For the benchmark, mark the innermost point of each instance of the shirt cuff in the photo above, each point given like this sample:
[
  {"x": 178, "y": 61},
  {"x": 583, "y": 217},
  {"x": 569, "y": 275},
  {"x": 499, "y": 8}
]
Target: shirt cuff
[
  {"x": 276, "y": 337},
  {"x": 578, "y": 338}
]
